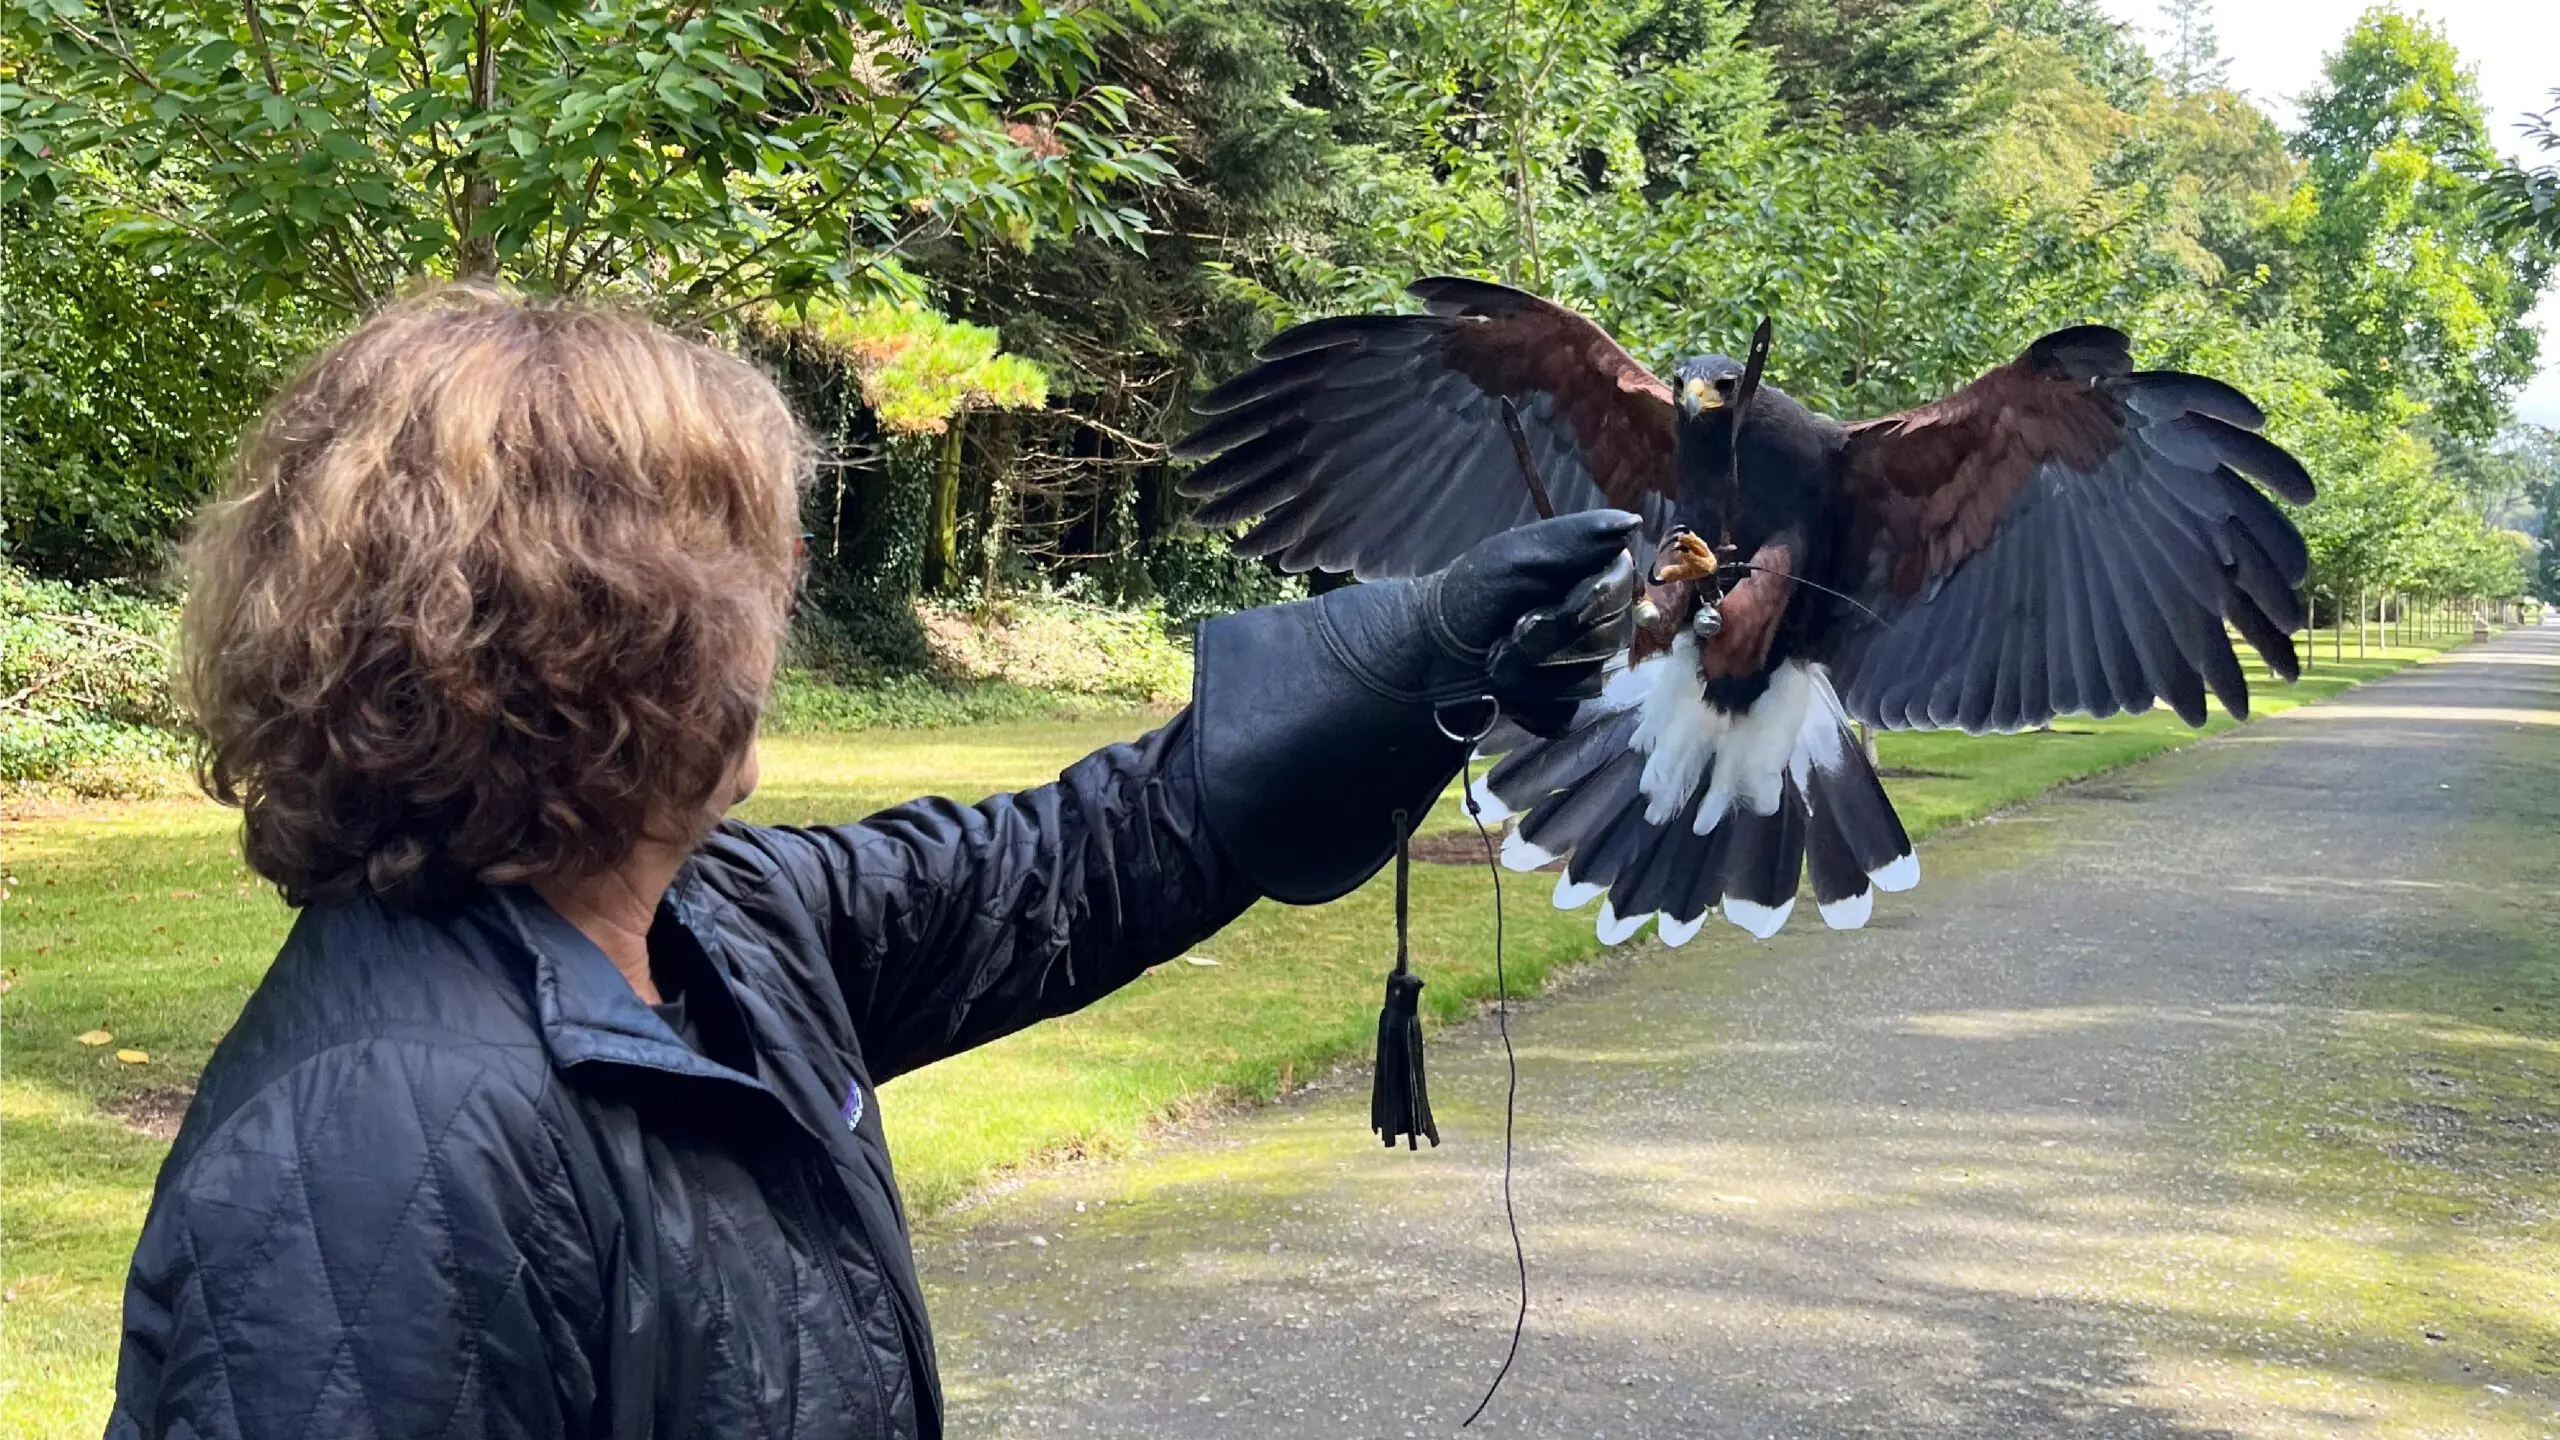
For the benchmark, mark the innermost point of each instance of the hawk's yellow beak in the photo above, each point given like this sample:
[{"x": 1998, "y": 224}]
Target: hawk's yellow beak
[{"x": 1697, "y": 395}]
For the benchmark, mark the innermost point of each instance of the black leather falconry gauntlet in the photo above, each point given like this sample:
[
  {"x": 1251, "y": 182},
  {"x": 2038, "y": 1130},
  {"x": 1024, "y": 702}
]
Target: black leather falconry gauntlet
[{"x": 1319, "y": 720}]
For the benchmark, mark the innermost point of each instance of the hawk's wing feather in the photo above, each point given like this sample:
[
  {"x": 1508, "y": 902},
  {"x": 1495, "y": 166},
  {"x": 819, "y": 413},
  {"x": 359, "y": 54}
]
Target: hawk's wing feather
[
  {"x": 1376, "y": 443},
  {"x": 2068, "y": 534}
]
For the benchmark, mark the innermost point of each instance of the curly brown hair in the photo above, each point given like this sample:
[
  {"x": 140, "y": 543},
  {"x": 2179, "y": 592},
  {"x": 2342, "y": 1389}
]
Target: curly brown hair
[{"x": 494, "y": 591}]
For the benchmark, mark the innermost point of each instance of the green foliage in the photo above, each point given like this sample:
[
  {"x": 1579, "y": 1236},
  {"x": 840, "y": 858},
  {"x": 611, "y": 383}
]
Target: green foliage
[
  {"x": 867, "y": 567},
  {"x": 87, "y": 699},
  {"x": 2524, "y": 200},
  {"x": 2225, "y": 169},
  {"x": 2414, "y": 298},
  {"x": 2524, "y": 486},
  {"x": 1241, "y": 93},
  {"x": 1061, "y": 645},
  {"x": 90, "y": 758},
  {"x": 1904, "y": 66},
  {"x": 1912, "y": 188},
  {"x": 918, "y": 369},
  {"x": 2104, "y": 53},
  {"x": 1196, "y": 576},
  {"x": 123, "y": 383},
  {"x": 1900, "y": 261},
  {"x": 704, "y": 157},
  {"x": 2508, "y": 481},
  {"x": 99, "y": 650},
  {"x": 808, "y": 704},
  {"x": 2194, "y": 61},
  {"x": 1679, "y": 206}
]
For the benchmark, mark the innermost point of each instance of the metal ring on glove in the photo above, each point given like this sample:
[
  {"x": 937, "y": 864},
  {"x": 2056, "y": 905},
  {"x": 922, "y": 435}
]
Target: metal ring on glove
[{"x": 1492, "y": 714}]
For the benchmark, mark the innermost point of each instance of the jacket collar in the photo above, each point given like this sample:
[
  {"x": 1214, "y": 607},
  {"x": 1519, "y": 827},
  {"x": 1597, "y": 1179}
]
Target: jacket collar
[{"x": 588, "y": 1012}]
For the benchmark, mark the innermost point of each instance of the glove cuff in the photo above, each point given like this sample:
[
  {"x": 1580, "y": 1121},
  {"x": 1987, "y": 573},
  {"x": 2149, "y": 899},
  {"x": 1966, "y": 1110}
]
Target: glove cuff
[
  {"x": 1432, "y": 591},
  {"x": 1309, "y": 741}
]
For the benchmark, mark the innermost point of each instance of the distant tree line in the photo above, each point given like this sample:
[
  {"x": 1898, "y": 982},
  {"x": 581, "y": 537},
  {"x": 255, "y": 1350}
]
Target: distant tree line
[{"x": 993, "y": 252}]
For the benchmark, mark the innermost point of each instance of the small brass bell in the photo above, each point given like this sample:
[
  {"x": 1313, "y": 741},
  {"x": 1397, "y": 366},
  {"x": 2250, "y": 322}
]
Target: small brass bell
[
  {"x": 1647, "y": 613},
  {"x": 1707, "y": 621}
]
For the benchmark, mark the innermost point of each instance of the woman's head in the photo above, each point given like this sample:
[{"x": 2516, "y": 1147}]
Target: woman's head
[{"x": 495, "y": 592}]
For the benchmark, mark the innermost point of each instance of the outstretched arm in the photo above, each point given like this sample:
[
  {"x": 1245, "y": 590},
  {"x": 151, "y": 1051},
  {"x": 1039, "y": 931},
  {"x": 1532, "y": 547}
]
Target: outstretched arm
[{"x": 1312, "y": 724}]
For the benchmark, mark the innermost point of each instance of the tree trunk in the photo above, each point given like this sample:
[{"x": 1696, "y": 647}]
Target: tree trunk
[
  {"x": 942, "y": 513},
  {"x": 476, "y": 250},
  {"x": 996, "y": 517}
]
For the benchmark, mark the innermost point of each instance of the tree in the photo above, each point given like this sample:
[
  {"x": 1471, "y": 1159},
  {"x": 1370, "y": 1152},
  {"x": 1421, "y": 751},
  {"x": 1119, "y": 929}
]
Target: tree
[
  {"x": 889, "y": 387},
  {"x": 2525, "y": 475},
  {"x": 1679, "y": 203},
  {"x": 2525, "y": 199},
  {"x": 1123, "y": 333},
  {"x": 2415, "y": 299},
  {"x": 2195, "y": 61},
  {"x": 2504, "y": 481},
  {"x": 1912, "y": 188},
  {"x": 709, "y": 157},
  {"x": 2230, "y": 170},
  {"x": 2103, "y": 50},
  {"x": 1882, "y": 65}
]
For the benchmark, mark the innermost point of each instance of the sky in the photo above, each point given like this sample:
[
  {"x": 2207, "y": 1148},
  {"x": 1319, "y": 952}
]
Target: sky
[{"x": 2512, "y": 46}]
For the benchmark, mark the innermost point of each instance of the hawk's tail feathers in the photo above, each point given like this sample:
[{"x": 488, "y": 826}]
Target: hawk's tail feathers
[{"x": 1671, "y": 808}]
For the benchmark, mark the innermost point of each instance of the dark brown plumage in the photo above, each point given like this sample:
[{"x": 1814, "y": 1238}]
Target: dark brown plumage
[{"x": 2064, "y": 534}]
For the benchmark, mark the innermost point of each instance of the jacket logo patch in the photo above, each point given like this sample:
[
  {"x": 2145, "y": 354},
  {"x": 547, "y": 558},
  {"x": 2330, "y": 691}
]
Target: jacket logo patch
[{"x": 852, "y": 1111}]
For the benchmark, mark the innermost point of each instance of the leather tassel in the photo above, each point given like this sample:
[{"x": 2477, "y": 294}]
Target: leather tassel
[{"x": 1399, "y": 1097}]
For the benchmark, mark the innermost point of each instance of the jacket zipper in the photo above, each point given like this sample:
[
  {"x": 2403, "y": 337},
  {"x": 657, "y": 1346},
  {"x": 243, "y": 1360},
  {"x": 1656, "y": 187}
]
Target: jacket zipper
[{"x": 810, "y": 1219}]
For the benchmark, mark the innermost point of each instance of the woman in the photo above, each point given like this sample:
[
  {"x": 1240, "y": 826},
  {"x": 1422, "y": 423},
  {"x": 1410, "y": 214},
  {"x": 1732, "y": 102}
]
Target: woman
[{"x": 556, "y": 1113}]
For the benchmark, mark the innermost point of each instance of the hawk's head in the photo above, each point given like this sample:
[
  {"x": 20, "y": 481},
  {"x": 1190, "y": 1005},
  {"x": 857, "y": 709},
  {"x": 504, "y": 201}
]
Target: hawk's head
[{"x": 1705, "y": 382}]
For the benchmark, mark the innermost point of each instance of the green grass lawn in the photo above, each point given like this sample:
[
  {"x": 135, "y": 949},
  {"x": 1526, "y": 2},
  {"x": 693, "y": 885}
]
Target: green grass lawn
[{"x": 138, "y": 920}]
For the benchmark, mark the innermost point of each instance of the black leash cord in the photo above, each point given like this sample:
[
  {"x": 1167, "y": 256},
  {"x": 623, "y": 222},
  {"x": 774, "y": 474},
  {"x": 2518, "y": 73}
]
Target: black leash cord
[{"x": 1510, "y": 1096}]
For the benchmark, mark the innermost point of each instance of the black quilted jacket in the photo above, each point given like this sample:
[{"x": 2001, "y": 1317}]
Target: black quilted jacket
[{"x": 452, "y": 1177}]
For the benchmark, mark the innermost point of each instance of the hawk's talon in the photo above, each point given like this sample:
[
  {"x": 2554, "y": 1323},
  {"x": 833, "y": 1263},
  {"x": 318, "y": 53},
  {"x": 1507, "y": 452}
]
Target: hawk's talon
[{"x": 1690, "y": 559}]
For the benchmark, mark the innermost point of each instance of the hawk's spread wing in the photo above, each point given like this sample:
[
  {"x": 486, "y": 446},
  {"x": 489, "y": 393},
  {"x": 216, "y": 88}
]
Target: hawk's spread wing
[
  {"x": 2067, "y": 534},
  {"x": 1376, "y": 443}
]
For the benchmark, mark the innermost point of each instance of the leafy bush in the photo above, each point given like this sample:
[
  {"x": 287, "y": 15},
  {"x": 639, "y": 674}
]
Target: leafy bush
[
  {"x": 805, "y": 704},
  {"x": 87, "y": 699},
  {"x": 1064, "y": 645},
  {"x": 93, "y": 759},
  {"x": 123, "y": 387},
  {"x": 93, "y": 649},
  {"x": 89, "y": 704},
  {"x": 1199, "y": 575},
  {"x": 1010, "y": 660}
]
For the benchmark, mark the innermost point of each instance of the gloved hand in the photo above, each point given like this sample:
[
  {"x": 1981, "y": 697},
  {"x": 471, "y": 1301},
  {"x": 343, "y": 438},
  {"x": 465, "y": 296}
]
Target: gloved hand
[
  {"x": 1524, "y": 620},
  {"x": 1319, "y": 722}
]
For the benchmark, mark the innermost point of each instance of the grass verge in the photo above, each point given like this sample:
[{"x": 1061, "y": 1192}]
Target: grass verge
[{"x": 138, "y": 920}]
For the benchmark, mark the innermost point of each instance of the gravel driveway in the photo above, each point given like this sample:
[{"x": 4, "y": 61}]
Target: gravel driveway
[{"x": 2178, "y": 1103}]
